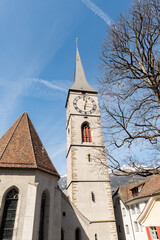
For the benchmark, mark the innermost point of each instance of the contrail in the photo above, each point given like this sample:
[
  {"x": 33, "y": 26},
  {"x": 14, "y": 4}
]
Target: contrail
[
  {"x": 49, "y": 84},
  {"x": 98, "y": 11}
]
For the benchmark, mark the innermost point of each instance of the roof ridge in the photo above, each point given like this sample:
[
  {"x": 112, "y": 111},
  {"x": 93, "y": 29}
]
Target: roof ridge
[
  {"x": 31, "y": 139},
  {"x": 25, "y": 147},
  {"x": 30, "y": 124},
  {"x": 29, "y": 120},
  {"x": 142, "y": 182},
  {"x": 11, "y": 136}
]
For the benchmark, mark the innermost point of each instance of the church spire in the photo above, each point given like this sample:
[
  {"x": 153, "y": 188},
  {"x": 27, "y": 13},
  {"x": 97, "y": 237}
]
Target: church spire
[{"x": 80, "y": 82}]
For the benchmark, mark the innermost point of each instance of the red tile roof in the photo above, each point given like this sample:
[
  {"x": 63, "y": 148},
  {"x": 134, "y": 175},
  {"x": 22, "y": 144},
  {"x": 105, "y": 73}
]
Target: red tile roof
[
  {"x": 150, "y": 187},
  {"x": 21, "y": 147}
]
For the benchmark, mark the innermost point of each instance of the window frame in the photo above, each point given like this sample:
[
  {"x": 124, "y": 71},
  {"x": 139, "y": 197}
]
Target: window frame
[
  {"x": 153, "y": 233},
  {"x": 127, "y": 229},
  {"x": 136, "y": 226},
  {"x": 93, "y": 197},
  {"x": 86, "y": 133},
  {"x": 77, "y": 234},
  {"x": 124, "y": 212},
  {"x": 10, "y": 204}
]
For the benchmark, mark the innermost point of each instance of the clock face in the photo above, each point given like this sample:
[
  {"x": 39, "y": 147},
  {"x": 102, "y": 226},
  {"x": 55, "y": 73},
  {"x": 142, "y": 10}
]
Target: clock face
[{"x": 84, "y": 104}]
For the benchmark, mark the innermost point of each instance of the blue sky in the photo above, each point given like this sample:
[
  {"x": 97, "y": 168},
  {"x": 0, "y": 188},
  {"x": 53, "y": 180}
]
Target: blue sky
[{"x": 37, "y": 58}]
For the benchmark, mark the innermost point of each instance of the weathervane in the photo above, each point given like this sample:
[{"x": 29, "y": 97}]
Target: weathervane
[{"x": 76, "y": 42}]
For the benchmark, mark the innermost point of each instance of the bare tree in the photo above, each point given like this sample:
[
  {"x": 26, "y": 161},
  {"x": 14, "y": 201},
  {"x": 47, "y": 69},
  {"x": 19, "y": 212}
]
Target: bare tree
[{"x": 130, "y": 88}]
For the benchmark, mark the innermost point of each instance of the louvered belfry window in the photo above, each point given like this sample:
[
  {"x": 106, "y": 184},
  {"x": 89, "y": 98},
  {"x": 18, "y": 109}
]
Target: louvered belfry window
[
  {"x": 9, "y": 214},
  {"x": 86, "y": 133}
]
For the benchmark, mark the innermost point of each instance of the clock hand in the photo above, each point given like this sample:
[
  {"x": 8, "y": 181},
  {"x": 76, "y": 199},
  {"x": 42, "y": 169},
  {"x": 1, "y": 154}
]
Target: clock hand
[
  {"x": 90, "y": 106},
  {"x": 85, "y": 100}
]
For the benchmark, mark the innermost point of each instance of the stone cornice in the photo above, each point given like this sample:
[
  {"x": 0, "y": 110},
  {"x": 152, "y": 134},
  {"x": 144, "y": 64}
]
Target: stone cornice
[{"x": 84, "y": 145}]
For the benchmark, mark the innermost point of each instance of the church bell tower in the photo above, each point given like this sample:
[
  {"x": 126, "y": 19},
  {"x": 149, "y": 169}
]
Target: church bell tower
[{"x": 88, "y": 185}]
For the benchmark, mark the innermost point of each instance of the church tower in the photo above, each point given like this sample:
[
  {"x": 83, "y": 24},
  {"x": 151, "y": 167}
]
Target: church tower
[{"x": 88, "y": 185}]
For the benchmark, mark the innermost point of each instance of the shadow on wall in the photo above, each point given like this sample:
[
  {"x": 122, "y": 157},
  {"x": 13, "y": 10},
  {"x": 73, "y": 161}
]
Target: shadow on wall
[
  {"x": 119, "y": 220},
  {"x": 54, "y": 216},
  {"x": 71, "y": 226}
]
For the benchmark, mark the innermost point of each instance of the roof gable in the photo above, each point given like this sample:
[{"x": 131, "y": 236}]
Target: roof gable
[
  {"x": 146, "y": 188},
  {"x": 21, "y": 147}
]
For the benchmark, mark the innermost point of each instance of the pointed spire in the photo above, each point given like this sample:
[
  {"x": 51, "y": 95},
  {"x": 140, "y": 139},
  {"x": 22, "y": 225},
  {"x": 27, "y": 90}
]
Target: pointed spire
[{"x": 80, "y": 82}]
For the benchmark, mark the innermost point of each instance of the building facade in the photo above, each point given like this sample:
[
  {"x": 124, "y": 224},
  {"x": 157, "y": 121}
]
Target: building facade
[
  {"x": 136, "y": 208},
  {"x": 32, "y": 207},
  {"x": 88, "y": 187}
]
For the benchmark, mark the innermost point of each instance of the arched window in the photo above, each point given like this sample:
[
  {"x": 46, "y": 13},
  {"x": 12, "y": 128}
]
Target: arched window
[
  {"x": 44, "y": 216},
  {"x": 78, "y": 234},
  {"x": 86, "y": 133},
  {"x": 62, "y": 234},
  {"x": 9, "y": 215}
]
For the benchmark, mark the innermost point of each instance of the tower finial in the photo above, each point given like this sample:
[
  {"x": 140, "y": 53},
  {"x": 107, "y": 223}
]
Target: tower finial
[{"x": 76, "y": 42}]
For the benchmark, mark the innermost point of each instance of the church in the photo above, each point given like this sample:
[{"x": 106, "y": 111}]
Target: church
[{"x": 32, "y": 207}]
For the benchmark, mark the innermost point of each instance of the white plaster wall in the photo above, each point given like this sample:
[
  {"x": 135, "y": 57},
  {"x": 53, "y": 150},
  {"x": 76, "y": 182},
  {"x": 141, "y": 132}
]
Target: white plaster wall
[
  {"x": 127, "y": 221},
  {"x": 57, "y": 214},
  {"x": 102, "y": 208},
  {"x": 84, "y": 177},
  {"x": 31, "y": 185},
  {"x": 29, "y": 211},
  {"x": 141, "y": 234},
  {"x": 105, "y": 230},
  {"x": 47, "y": 182},
  {"x": 71, "y": 221},
  {"x": 80, "y": 168},
  {"x": 24, "y": 182},
  {"x": 153, "y": 218}
]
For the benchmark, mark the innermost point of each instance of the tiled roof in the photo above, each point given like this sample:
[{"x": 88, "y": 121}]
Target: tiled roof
[
  {"x": 21, "y": 147},
  {"x": 150, "y": 186},
  {"x": 123, "y": 192}
]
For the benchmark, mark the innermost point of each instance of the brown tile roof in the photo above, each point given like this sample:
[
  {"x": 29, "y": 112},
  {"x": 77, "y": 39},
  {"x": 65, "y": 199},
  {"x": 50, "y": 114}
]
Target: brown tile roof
[
  {"x": 150, "y": 187},
  {"x": 123, "y": 192},
  {"x": 21, "y": 147}
]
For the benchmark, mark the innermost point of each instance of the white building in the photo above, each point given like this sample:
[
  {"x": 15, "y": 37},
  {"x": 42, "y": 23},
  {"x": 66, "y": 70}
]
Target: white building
[
  {"x": 136, "y": 208},
  {"x": 32, "y": 207}
]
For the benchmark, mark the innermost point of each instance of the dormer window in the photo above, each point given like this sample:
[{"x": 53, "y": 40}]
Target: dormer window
[
  {"x": 86, "y": 133},
  {"x": 136, "y": 190}
]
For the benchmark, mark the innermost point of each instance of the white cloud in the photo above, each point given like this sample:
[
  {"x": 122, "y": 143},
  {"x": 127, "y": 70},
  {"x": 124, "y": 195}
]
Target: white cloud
[
  {"x": 44, "y": 89},
  {"x": 48, "y": 84},
  {"x": 98, "y": 11}
]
